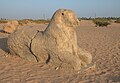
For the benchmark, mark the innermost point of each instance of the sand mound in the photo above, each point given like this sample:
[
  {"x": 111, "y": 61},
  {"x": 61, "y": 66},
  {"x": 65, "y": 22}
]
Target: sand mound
[{"x": 11, "y": 26}]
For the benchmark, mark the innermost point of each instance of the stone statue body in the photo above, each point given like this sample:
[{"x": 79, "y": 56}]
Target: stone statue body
[{"x": 56, "y": 46}]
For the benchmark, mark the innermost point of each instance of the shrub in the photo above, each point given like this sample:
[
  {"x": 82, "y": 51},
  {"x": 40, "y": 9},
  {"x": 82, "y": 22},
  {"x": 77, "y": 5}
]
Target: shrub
[
  {"x": 3, "y": 21},
  {"x": 101, "y": 22},
  {"x": 41, "y": 21},
  {"x": 117, "y": 21},
  {"x": 26, "y": 21}
]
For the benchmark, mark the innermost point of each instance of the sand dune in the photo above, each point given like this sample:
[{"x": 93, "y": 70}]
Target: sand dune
[{"x": 102, "y": 42}]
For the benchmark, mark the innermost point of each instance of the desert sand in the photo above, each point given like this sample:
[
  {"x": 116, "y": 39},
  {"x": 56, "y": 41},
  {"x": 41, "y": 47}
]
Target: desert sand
[{"x": 102, "y": 42}]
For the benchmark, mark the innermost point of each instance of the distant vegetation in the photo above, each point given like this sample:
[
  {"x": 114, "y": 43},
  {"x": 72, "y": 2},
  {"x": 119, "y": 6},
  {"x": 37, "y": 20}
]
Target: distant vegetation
[
  {"x": 117, "y": 21},
  {"x": 107, "y": 18},
  {"x": 2, "y": 20},
  {"x": 101, "y": 22},
  {"x": 26, "y": 21}
]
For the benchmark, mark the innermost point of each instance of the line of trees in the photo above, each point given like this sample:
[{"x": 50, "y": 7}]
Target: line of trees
[
  {"x": 102, "y": 21},
  {"x": 91, "y": 18}
]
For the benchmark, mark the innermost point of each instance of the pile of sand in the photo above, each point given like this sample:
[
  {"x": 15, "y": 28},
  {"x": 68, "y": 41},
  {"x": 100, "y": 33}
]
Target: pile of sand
[{"x": 11, "y": 26}]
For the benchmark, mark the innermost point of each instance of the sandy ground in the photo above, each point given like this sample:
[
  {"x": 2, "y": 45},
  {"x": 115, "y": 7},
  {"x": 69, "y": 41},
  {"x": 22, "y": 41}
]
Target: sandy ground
[{"x": 102, "y": 42}]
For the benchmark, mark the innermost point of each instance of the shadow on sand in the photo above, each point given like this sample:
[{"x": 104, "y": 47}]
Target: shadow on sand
[
  {"x": 3, "y": 44},
  {"x": 1, "y": 31}
]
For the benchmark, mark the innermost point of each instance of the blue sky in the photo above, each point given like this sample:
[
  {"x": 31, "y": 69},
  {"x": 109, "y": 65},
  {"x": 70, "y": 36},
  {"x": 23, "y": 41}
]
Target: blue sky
[{"x": 37, "y": 9}]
